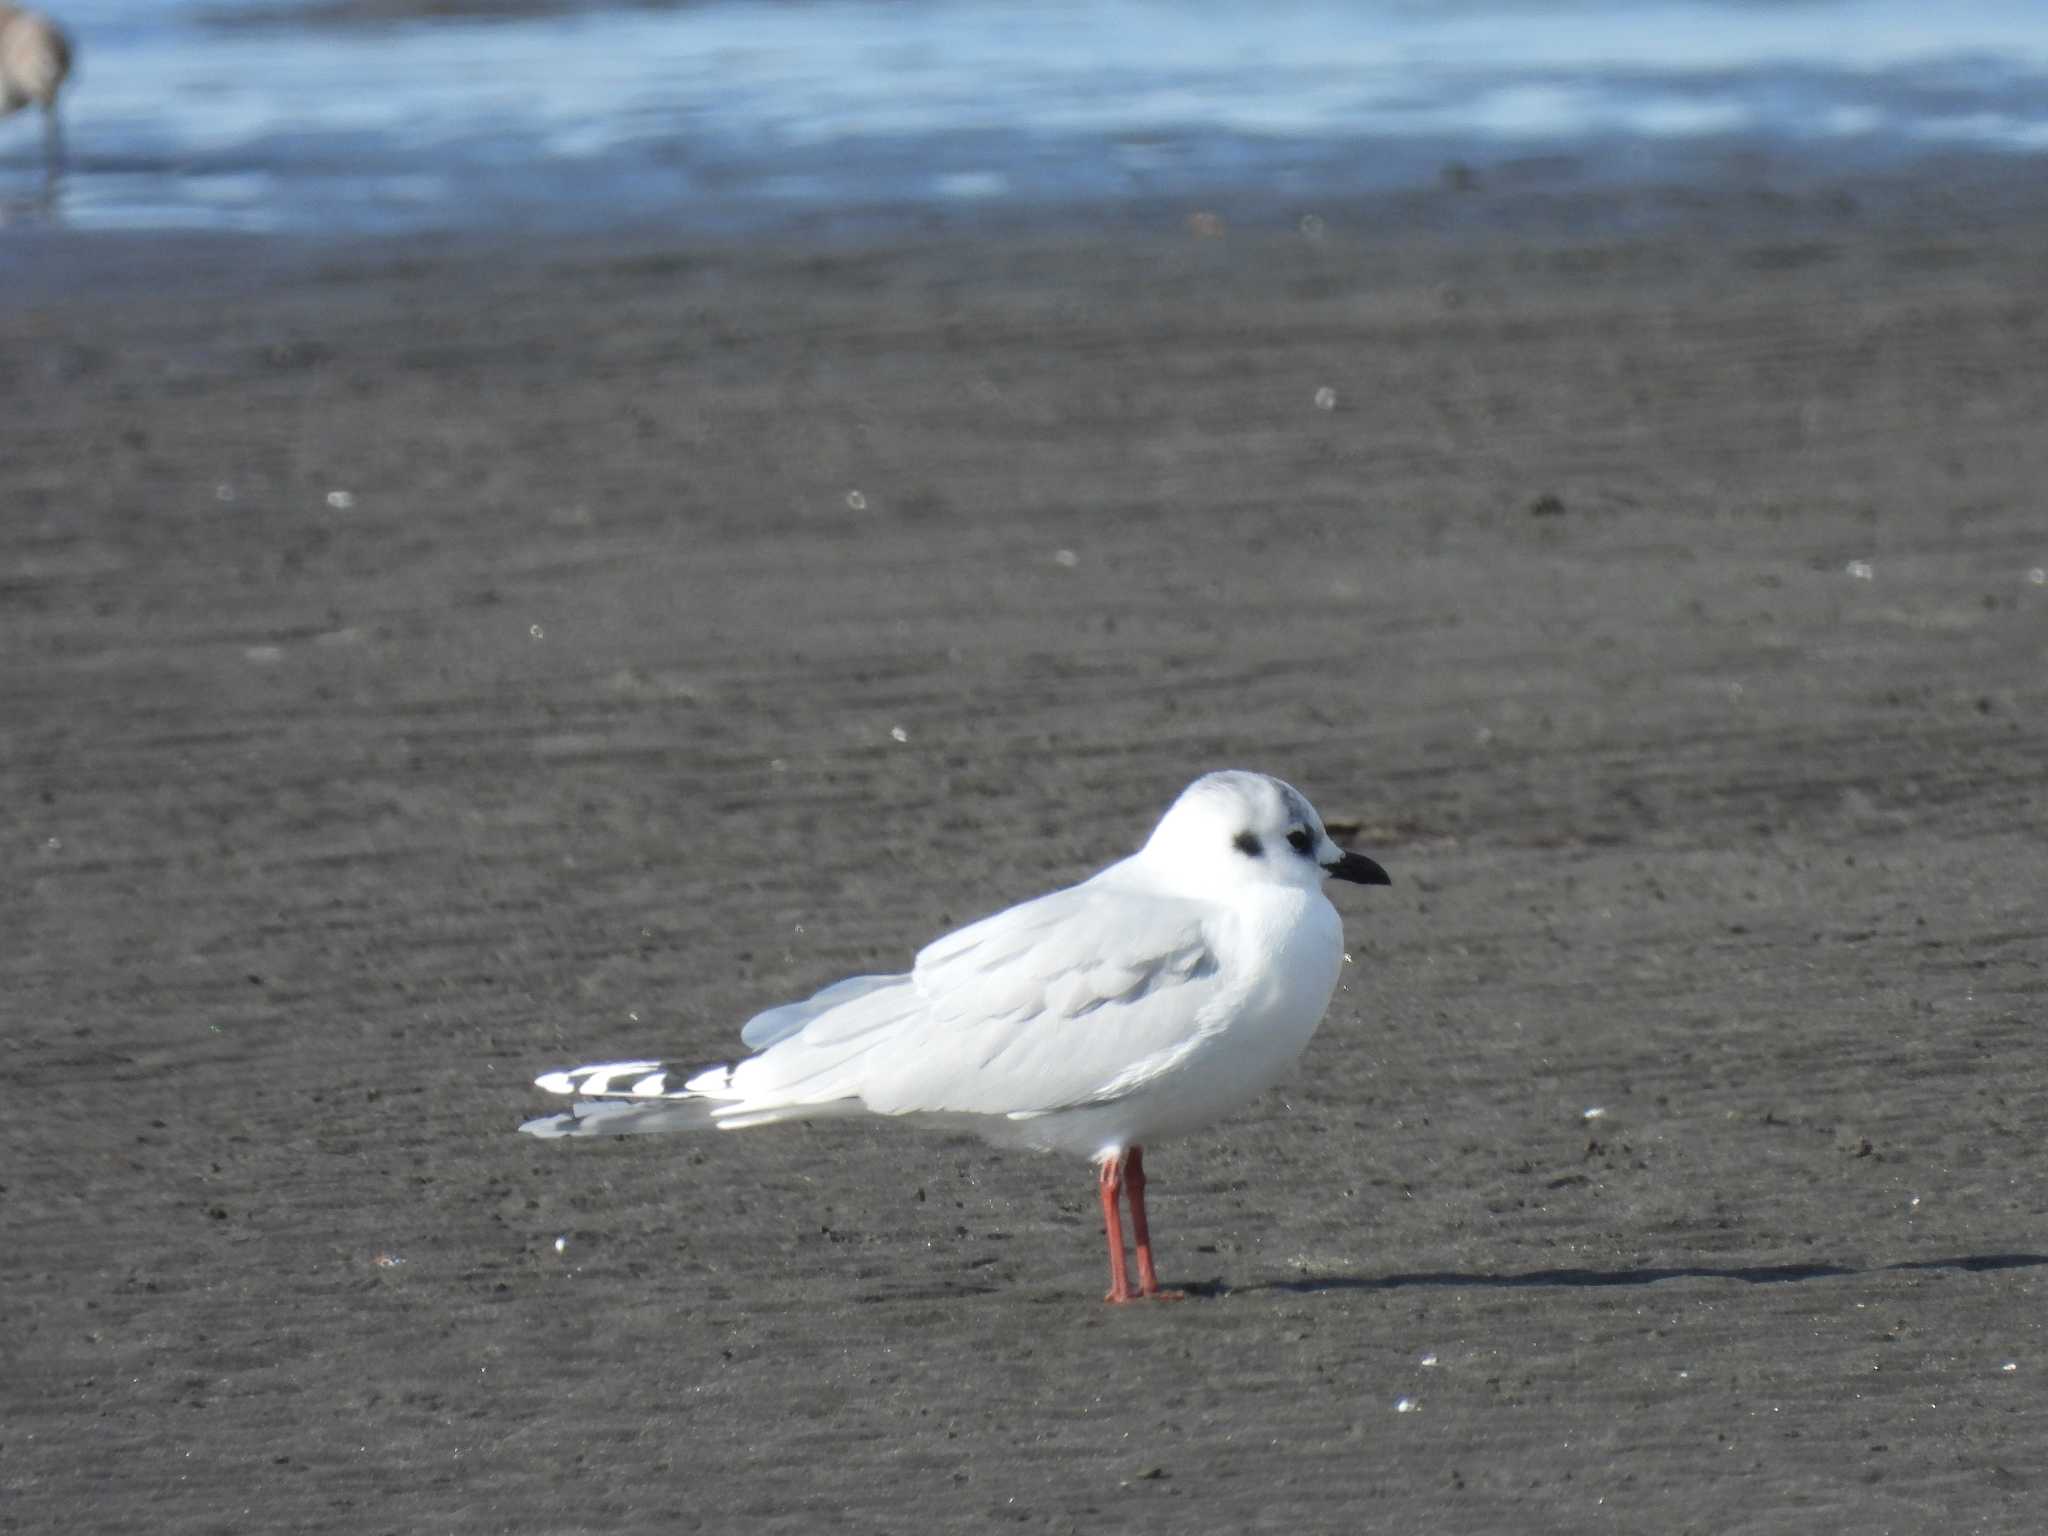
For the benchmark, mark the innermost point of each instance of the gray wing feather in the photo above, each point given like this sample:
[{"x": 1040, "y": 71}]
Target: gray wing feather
[{"x": 772, "y": 1024}]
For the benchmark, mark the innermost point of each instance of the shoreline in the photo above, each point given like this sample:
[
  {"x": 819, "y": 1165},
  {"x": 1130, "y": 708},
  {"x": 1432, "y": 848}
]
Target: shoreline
[{"x": 1738, "y": 196}]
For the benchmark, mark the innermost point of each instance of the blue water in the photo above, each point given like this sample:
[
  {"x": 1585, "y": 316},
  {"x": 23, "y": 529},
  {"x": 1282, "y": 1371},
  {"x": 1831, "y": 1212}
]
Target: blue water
[{"x": 740, "y": 115}]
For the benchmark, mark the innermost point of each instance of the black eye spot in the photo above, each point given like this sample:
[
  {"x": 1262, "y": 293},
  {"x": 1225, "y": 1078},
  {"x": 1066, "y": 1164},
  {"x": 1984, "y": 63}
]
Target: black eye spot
[
  {"x": 1248, "y": 844},
  {"x": 1299, "y": 840}
]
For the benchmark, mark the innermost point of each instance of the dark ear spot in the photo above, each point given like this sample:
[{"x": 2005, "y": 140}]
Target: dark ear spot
[{"x": 1248, "y": 844}]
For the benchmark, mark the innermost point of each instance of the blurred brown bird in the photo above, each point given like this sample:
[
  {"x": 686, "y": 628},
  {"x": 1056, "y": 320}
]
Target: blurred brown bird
[{"x": 35, "y": 56}]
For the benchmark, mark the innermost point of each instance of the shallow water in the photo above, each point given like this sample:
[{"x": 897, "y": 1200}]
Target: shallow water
[{"x": 734, "y": 115}]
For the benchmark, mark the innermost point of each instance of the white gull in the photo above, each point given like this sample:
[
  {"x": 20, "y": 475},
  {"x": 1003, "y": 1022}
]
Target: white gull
[{"x": 1150, "y": 1000}]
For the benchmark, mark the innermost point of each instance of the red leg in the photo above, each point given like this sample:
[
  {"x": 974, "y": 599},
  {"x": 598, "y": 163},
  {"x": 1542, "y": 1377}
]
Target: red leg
[
  {"x": 1141, "y": 1231},
  {"x": 1111, "y": 1179}
]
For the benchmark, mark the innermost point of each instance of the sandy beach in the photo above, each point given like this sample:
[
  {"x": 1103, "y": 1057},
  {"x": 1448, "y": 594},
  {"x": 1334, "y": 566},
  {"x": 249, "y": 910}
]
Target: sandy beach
[{"x": 429, "y": 665}]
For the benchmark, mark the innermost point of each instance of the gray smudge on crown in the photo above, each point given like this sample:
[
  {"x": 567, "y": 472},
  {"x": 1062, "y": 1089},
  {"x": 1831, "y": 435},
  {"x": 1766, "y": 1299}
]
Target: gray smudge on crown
[{"x": 1298, "y": 809}]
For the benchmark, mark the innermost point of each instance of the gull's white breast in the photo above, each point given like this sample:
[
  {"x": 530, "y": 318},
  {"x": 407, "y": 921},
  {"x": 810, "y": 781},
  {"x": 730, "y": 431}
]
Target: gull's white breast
[{"x": 1280, "y": 952}]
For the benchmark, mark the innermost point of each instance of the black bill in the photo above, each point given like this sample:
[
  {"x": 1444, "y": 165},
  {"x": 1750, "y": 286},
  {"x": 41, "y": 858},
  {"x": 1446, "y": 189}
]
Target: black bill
[{"x": 1358, "y": 869}]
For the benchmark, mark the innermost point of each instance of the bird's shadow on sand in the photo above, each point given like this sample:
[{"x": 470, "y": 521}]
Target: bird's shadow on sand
[
  {"x": 1572, "y": 1279},
  {"x": 1752, "y": 1274}
]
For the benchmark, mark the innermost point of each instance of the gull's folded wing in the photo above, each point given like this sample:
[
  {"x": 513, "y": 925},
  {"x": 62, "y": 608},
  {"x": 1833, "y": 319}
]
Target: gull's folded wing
[{"x": 1076, "y": 998}]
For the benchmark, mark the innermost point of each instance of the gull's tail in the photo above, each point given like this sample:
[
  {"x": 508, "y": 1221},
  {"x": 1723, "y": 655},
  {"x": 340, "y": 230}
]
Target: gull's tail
[
  {"x": 632, "y": 1098},
  {"x": 809, "y": 1065},
  {"x": 621, "y": 1098}
]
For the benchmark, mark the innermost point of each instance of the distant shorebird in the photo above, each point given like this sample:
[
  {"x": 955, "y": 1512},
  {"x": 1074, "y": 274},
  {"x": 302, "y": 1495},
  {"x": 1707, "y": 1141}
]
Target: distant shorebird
[{"x": 35, "y": 56}]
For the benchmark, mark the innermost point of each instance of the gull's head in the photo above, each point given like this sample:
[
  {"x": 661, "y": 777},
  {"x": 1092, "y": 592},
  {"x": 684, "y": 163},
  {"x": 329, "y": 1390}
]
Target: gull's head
[{"x": 1236, "y": 828}]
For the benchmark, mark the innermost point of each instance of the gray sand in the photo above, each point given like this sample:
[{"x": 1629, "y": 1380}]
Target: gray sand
[{"x": 565, "y": 730}]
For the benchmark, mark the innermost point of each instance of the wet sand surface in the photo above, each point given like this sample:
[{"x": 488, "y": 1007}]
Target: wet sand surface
[{"x": 425, "y": 669}]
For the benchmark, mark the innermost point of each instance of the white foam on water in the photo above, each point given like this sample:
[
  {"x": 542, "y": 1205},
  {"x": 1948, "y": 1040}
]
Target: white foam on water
[{"x": 790, "y": 108}]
